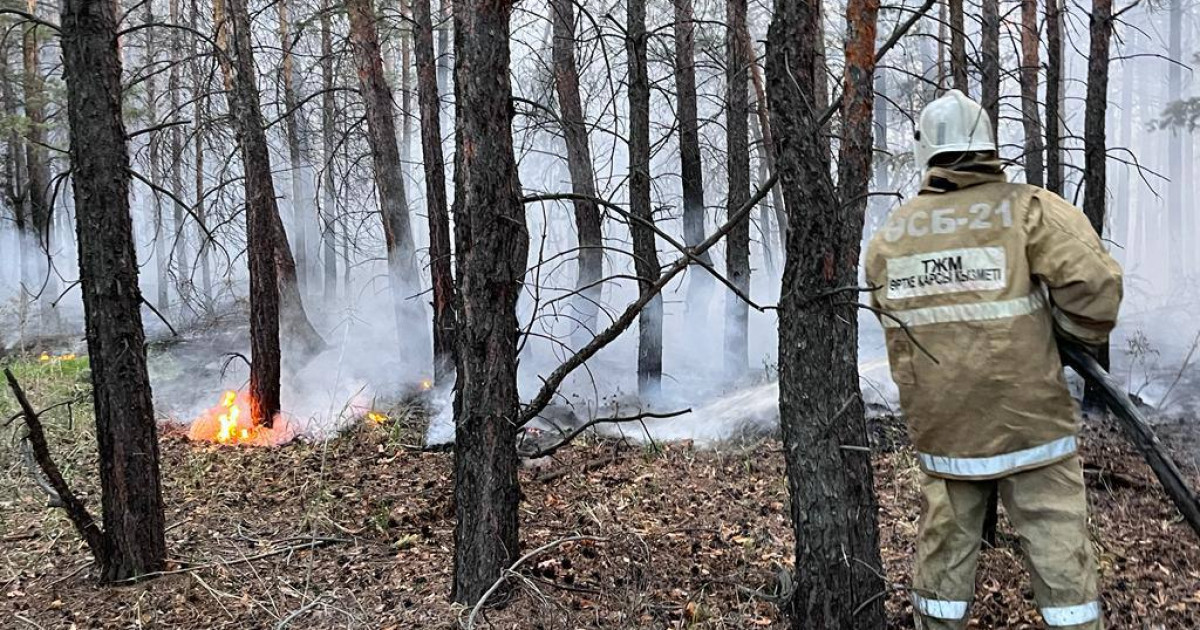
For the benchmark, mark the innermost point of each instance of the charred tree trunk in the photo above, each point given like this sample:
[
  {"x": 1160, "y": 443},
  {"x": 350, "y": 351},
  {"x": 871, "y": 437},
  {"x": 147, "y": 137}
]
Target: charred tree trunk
[
  {"x": 389, "y": 181},
  {"x": 590, "y": 259},
  {"x": 1095, "y": 146},
  {"x": 328, "y": 150},
  {"x": 17, "y": 184},
  {"x": 262, "y": 215},
  {"x": 737, "y": 132},
  {"x": 1031, "y": 116},
  {"x": 989, "y": 67},
  {"x": 645, "y": 250},
  {"x": 700, "y": 283},
  {"x": 134, "y": 539},
  {"x": 829, "y": 475},
  {"x": 440, "y": 259},
  {"x": 492, "y": 244},
  {"x": 958, "y": 47},
  {"x": 1054, "y": 94}
]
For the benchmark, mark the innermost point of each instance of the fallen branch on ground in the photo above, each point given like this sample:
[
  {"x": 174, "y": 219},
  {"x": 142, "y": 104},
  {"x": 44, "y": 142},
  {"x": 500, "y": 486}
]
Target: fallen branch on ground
[
  {"x": 569, "y": 437},
  {"x": 512, "y": 570}
]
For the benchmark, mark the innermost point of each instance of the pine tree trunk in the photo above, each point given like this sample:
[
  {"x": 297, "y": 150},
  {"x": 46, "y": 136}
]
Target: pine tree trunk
[
  {"x": 1175, "y": 198},
  {"x": 262, "y": 213},
  {"x": 1095, "y": 146},
  {"x": 180, "y": 253},
  {"x": 1031, "y": 116},
  {"x": 645, "y": 250},
  {"x": 328, "y": 151},
  {"x": 989, "y": 67},
  {"x": 440, "y": 258},
  {"x": 301, "y": 170},
  {"x": 162, "y": 237},
  {"x": 737, "y": 140},
  {"x": 415, "y": 344},
  {"x": 958, "y": 47},
  {"x": 590, "y": 259},
  {"x": 492, "y": 244},
  {"x": 38, "y": 171},
  {"x": 1054, "y": 95},
  {"x": 17, "y": 184},
  {"x": 768, "y": 138},
  {"x": 126, "y": 431},
  {"x": 201, "y": 85},
  {"x": 838, "y": 577},
  {"x": 700, "y": 283}
]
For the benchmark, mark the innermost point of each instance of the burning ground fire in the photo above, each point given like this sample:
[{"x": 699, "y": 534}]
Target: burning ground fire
[{"x": 229, "y": 423}]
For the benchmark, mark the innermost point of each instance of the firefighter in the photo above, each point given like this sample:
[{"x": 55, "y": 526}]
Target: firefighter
[{"x": 973, "y": 279}]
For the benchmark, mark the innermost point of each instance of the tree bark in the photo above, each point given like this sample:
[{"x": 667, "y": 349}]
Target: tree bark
[
  {"x": 262, "y": 215},
  {"x": 440, "y": 257},
  {"x": 126, "y": 431},
  {"x": 180, "y": 252},
  {"x": 300, "y": 162},
  {"x": 768, "y": 138},
  {"x": 700, "y": 283},
  {"x": 958, "y": 47},
  {"x": 828, "y": 466},
  {"x": 201, "y": 84},
  {"x": 1054, "y": 94},
  {"x": 328, "y": 150},
  {"x": 17, "y": 184},
  {"x": 1030, "y": 71},
  {"x": 1095, "y": 147},
  {"x": 737, "y": 140},
  {"x": 590, "y": 259},
  {"x": 1175, "y": 158},
  {"x": 154, "y": 167},
  {"x": 492, "y": 244},
  {"x": 989, "y": 67},
  {"x": 38, "y": 170},
  {"x": 645, "y": 250},
  {"x": 389, "y": 180}
]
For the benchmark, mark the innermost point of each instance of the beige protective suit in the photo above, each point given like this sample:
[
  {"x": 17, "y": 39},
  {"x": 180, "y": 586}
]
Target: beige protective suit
[{"x": 974, "y": 277}]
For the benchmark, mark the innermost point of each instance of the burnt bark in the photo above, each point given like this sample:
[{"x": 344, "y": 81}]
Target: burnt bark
[
  {"x": 389, "y": 181},
  {"x": 1031, "y": 116},
  {"x": 492, "y": 244},
  {"x": 262, "y": 215},
  {"x": 989, "y": 63},
  {"x": 1095, "y": 147},
  {"x": 440, "y": 259},
  {"x": 645, "y": 250},
  {"x": 691, "y": 166},
  {"x": 126, "y": 431},
  {"x": 737, "y": 140},
  {"x": 824, "y": 431},
  {"x": 958, "y": 47},
  {"x": 590, "y": 259},
  {"x": 1054, "y": 96}
]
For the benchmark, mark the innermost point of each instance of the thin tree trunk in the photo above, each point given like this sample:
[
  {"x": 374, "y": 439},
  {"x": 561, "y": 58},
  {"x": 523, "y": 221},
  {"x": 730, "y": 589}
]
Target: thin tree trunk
[
  {"x": 17, "y": 184},
  {"x": 645, "y": 250},
  {"x": 700, "y": 283},
  {"x": 328, "y": 151},
  {"x": 768, "y": 139},
  {"x": 162, "y": 237},
  {"x": 201, "y": 85},
  {"x": 301, "y": 174},
  {"x": 1095, "y": 147},
  {"x": 989, "y": 67},
  {"x": 1031, "y": 116},
  {"x": 958, "y": 47},
  {"x": 590, "y": 259},
  {"x": 180, "y": 253},
  {"x": 1175, "y": 138},
  {"x": 262, "y": 213},
  {"x": 126, "y": 430},
  {"x": 440, "y": 258},
  {"x": 415, "y": 343},
  {"x": 492, "y": 244},
  {"x": 406, "y": 63},
  {"x": 1126, "y": 233},
  {"x": 1054, "y": 94},
  {"x": 737, "y": 132},
  {"x": 37, "y": 170},
  {"x": 839, "y": 578}
]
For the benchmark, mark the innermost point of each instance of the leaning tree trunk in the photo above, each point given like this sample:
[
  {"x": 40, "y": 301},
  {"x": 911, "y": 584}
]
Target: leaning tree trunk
[
  {"x": 389, "y": 181},
  {"x": 645, "y": 251},
  {"x": 958, "y": 47},
  {"x": 737, "y": 132},
  {"x": 989, "y": 66},
  {"x": 1030, "y": 115},
  {"x": 126, "y": 432},
  {"x": 1054, "y": 95},
  {"x": 590, "y": 259},
  {"x": 1095, "y": 147},
  {"x": 262, "y": 213},
  {"x": 700, "y": 282},
  {"x": 829, "y": 471},
  {"x": 435, "y": 195},
  {"x": 492, "y": 244}
]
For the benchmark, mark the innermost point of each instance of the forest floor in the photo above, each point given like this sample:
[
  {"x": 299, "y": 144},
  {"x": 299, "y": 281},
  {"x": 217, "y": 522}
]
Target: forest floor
[{"x": 357, "y": 532}]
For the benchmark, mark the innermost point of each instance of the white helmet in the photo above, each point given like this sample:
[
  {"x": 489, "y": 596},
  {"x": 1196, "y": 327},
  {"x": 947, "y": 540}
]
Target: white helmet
[{"x": 953, "y": 123}]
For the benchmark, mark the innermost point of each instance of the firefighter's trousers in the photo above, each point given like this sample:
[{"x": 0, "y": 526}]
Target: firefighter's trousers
[{"x": 1048, "y": 508}]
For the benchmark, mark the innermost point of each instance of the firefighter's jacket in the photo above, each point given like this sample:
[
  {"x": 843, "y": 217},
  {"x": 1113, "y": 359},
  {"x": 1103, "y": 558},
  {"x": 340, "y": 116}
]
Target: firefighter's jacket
[{"x": 981, "y": 272}]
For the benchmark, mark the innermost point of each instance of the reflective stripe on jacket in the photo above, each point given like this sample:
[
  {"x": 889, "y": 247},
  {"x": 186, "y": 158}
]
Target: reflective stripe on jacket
[{"x": 981, "y": 272}]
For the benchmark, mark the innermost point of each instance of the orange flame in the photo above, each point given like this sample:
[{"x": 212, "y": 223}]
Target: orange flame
[
  {"x": 376, "y": 417},
  {"x": 426, "y": 384}
]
